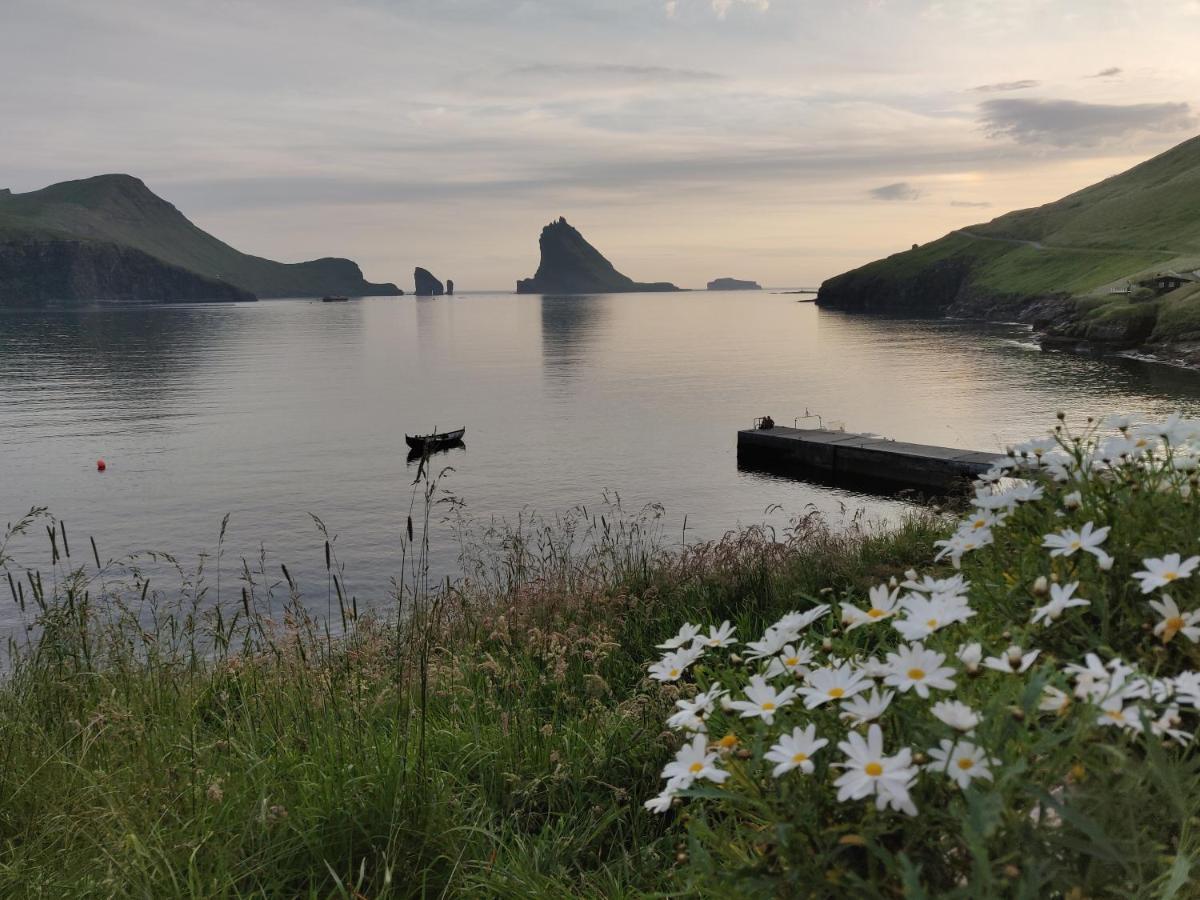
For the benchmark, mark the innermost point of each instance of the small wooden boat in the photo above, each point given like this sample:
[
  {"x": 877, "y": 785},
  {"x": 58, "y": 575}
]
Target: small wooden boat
[
  {"x": 335, "y": 299},
  {"x": 435, "y": 441}
]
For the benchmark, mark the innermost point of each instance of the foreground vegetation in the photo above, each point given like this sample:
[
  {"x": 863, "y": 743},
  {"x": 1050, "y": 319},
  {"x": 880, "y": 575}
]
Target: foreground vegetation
[{"x": 505, "y": 736}]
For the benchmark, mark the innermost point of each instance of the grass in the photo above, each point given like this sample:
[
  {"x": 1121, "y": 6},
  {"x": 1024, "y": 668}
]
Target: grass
[{"x": 491, "y": 738}]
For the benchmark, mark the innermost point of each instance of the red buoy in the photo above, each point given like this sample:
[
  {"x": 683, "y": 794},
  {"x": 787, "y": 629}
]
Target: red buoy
[{"x": 101, "y": 465}]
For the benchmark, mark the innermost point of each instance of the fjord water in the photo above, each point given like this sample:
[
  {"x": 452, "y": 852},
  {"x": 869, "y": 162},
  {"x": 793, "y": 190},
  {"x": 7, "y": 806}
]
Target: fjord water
[{"x": 274, "y": 410}]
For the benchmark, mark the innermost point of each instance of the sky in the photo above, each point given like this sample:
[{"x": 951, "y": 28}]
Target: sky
[{"x": 780, "y": 140}]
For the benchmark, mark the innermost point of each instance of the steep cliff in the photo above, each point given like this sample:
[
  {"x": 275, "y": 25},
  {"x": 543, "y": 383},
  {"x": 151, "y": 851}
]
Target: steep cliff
[
  {"x": 570, "y": 265},
  {"x": 120, "y": 210},
  {"x": 47, "y": 271},
  {"x": 426, "y": 284}
]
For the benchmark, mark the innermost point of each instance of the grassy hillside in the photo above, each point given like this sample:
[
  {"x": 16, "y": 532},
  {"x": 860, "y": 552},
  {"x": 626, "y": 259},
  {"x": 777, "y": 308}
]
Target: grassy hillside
[
  {"x": 120, "y": 209},
  {"x": 1139, "y": 222}
]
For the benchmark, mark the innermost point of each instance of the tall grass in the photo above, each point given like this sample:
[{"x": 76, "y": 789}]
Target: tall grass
[{"x": 491, "y": 736}]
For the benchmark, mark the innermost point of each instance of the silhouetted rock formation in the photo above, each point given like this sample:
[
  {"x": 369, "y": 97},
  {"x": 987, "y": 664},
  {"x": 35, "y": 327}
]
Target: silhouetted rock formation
[
  {"x": 733, "y": 284},
  {"x": 450, "y": 287},
  {"x": 570, "y": 265},
  {"x": 426, "y": 284}
]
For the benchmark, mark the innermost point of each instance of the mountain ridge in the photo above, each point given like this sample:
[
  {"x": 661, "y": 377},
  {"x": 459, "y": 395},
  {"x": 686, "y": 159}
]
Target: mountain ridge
[{"x": 120, "y": 210}]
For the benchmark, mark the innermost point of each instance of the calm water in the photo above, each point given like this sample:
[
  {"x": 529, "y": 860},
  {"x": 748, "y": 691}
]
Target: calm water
[{"x": 273, "y": 410}]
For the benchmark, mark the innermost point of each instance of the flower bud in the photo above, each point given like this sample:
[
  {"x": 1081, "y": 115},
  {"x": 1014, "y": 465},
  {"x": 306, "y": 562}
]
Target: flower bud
[{"x": 1041, "y": 585}]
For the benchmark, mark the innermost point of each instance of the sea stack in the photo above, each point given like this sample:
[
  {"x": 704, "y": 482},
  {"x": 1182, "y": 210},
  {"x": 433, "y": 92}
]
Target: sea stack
[
  {"x": 426, "y": 284},
  {"x": 449, "y": 287},
  {"x": 570, "y": 265},
  {"x": 733, "y": 284}
]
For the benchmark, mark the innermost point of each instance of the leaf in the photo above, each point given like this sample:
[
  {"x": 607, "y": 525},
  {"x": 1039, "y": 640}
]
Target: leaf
[{"x": 1179, "y": 876}]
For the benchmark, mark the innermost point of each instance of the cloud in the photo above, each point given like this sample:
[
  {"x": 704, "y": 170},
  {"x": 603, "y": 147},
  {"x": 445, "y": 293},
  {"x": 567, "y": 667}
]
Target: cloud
[
  {"x": 1069, "y": 123},
  {"x": 970, "y": 203},
  {"x": 618, "y": 72},
  {"x": 722, "y": 7},
  {"x": 1110, "y": 72},
  {"x": 900, "y": 190},
  {"x": 1023, "y": 84}
]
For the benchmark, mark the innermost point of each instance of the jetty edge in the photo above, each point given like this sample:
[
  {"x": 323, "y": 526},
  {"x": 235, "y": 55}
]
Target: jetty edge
[{"x": 861, "y": 456}]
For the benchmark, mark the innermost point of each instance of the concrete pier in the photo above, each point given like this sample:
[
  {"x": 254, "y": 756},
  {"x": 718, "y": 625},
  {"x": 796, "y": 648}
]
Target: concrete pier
[{"x": 860, "y": 457}]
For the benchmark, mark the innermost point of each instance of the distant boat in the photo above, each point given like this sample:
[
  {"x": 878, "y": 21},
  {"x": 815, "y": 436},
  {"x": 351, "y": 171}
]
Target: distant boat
[
  {"x": 435, "y": 441},
  {"x": 335, "y": 299}
]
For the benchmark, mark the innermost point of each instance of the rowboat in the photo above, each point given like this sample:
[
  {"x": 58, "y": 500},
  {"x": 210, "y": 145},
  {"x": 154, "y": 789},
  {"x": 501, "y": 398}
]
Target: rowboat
[{"x": 434, "y": 441}]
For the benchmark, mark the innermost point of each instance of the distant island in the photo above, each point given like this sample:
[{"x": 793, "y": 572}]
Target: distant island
[
  {"x": 570, "y": 265},
  {"x": 1113, "y": 267},
  {"x": 733, "y": 284},
  {"x": 111, "y": 238}
]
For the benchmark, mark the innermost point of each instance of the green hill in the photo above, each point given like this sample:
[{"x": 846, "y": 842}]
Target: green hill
[
  {"x": 120, "y": 210},
  {"x": 1124, "y": 229}
]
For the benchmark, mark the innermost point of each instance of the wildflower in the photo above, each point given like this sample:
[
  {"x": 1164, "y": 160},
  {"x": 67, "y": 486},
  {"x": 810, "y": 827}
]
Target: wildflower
[
  {"x": 1073, "y": 500},
  {"x": 970, "y": 655},
  {"x": 771, "y": 643},
  {"x": 727, "y": 743},
  {"x": 883, "y": 604},
  {"x": 915, "y": 668},
  {"x": 795, "y": 622},
  {"x": 663, "y": 801},
  {"x": 793, "y": 660},
  {"x": 954, "y": 585},
  {"x": 1036, "y": 447},
  {"x": 1088, "y": 538},
  {"x": 1062, "y": 598},
  {"x": 925, "y": 615},
  {"x": 692, "y": 712},
  {"x": 982, "y": 519},
  {"x": 1161, "y": 572},
  {"x": 674, "y": 664},
  {"x": 1187, "y": 687},
  {"x": 828, "y": 684},
  {"x": 1167, "y": 725},
  {"x": 1114, "y": 712},
  {"x": 795, "y": 750},
  {"x": 956, "y": 714},
  {"x": 1119, "y": 422},
  {"x": 718, "y": 636},
  {"x": 693, "y": 761},
  {"x": 687, "y": 633},
  {"x": 1054, "y": 700},
  {"x": 961, "y": 543},
  {"x": 1174, "y": 622},
  {"x": 962, "y": 761},
  {"x": 1014, "y": 660},
  {"x": 863, "y": 709},
  {"x": 869, "y": 772},
  {"x": 763, "y": 700}
]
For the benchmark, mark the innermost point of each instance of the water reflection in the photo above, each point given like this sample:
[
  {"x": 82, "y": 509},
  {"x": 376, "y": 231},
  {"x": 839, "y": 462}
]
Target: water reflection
[{"x": 571, "y": 326}]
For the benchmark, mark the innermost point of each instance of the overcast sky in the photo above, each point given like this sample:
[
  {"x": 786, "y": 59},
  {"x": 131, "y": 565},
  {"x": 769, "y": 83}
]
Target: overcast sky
[{"x": 781, "y": 140}]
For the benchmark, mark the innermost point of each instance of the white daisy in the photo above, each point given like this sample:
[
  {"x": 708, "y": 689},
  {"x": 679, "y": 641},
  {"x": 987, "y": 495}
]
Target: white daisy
[
  {"x": 956, "y": 714},
  {"x": 693, "y": 761},
  {"x": 1174, "y": 622},
  {"x": 1161, "y": 572},
  {"x": 674, "y": 664},
  {"x": 1014, "y": 661},
  {"x": 954, "y": 585},
  {"x": 792, "y": 660},
  {"x": 795, "y": 750},
  {"x": 866, "y": 708},
  {"x": 962, "y": 761},
  {"x": 925, "y": 615},
  {"x": 718, "y": 636},
  {"x": 913, "y": 668},
  {"x": 970, "y": 656},
  {"x": 795, "y": 622},
  {"x": 1054, "y": 700},
  {"x": 1088, "y": 539},
  {"x": 1062, "y": 598},
  {"x": 883, "y": 603},
  {"x": 691, "y": 713},
  {"x": 1115, "y": 712},
  {"x": 663, "y": 801},
  {"x": 687, "y": 633},
  {"x": 762, "y": 700},
  {"x": 823, "y": 685},
  {"x": 869, "y": 772}
]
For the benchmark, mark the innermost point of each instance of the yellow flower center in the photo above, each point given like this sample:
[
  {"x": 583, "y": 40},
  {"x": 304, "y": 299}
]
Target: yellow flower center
[
  {"x": 728, "y": 742},
  {"x": 1170, "y": 576},
  {"x": 1173, "y": 627},
  {"x": 979, "y": 523},
  {"x": 792, "y": 661},
  {"x": 835, "y": 693},
  {"x": 768, "y": 706},
  {"x": 1116, "y": 715},
  {"x": 674, "y": 673},
  {"x": 696, "y": 767},
  {"x": 1076, "y": 545},
  {"x": 800, "y": 757},
  {"x": 916, "y": 674},
  {"x": 873, "y": 769},
  {"x": 932, "y": 623},
  {"x": 965, "y": 763},
  {"x": 875, "y": 612}
]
